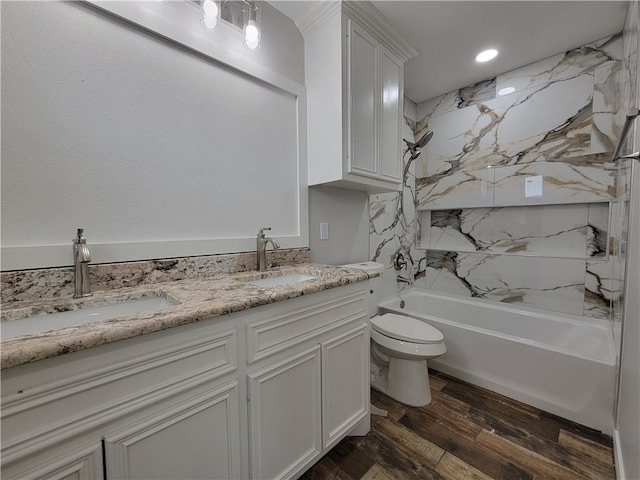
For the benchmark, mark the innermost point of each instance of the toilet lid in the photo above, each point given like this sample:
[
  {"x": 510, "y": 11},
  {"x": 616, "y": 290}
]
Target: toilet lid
[{"x": 406, "y": 328}]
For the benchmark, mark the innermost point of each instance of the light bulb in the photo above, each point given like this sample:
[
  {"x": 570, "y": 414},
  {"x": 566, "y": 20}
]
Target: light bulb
[
  {"x": 210, "y": 8},
  {"x": 251, "y": 44},
  {"x": 251, "y": 32},
  {"x": 209, "y": 22}
]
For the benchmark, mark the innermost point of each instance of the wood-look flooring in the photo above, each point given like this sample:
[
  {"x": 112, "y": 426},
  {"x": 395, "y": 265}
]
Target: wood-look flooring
[{"x": 467, "y": 432}]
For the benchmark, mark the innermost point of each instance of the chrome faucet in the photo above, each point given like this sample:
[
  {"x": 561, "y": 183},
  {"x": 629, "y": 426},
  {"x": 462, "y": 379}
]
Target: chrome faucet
[
  {"x": 261, "y": 248},
  {"x": 81, "y": 259},
  {"x": 402, "y": 279}
]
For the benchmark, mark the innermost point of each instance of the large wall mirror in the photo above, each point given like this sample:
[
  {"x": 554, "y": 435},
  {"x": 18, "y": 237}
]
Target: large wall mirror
[{"x": 126, "y": 119}]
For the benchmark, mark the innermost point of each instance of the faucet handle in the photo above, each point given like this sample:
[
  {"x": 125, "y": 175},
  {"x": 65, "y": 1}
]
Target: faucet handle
[{"x": 261, "y": 231}]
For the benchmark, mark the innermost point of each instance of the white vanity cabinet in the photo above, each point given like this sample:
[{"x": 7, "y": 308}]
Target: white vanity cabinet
[
  {"x": 261, "y": 393},
  {"x": 354, "y": 76},
  {"x": 308, "y": 380},
  {"x": 165, "y": 404}
]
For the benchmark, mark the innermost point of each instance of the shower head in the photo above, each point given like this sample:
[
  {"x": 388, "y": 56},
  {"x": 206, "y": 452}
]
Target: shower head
[{"x": 414, "y": 148}]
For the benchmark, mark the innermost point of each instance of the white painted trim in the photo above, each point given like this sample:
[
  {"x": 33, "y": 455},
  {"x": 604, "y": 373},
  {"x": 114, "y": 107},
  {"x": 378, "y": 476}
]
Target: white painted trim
[
  {"x": 45, "y": 256},
  {"x": 254, "y": 388},
  {"x": 49, "y": 392},
  {"x": 366, "y": 13},
  {"x": 86, "y": 462},
  {"x": 330, "y": 438},
  {"x": 117, "y": 443},
  {"x": 179, "y": 24},
  {"x": 53, "y": 434},
  {"x": 617, "y": 456},
  {"x": 316, "y": 15},
  {"x": 257, "y": 349}
]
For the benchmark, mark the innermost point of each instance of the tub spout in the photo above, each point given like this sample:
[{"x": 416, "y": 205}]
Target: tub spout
[{"x": 402, "y": 279}]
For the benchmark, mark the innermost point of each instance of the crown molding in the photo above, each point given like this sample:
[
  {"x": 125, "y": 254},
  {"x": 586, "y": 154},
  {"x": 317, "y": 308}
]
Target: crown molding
[
  {"x": 316, "y": 14},
  {"x": 367, "y": 13},
  {"x": 362, "y": 11}
]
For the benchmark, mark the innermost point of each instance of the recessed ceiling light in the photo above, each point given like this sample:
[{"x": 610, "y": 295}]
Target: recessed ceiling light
[
  {"x": 487, "y": 55},
  {"x": 506, "y": 90}
]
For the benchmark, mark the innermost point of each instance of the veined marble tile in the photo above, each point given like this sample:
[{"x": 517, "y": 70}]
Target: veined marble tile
[
  {"x": 549, "y": 283},
  {"x": 476, "y": 93},
  {"x": 383, "y": 249},
  {"x": 630, "y": 55},
  {"x": 395, "y": 212},
  {"x": 598, "y": 230},
  {"x": 563, "y": 65},
  {"x": 437, "y": 106},
  {"x": 458, "y": 190},
  {"x": 602, "y": 287},
  {"x": 549, "y": 230},
  {"x": 563, "y": 182},
  {"x": 409, "y": 109},
  {"x": 552, "y": 121},
  {"x": 383, "y": 213},
  {"x": 608, "y": 114}
]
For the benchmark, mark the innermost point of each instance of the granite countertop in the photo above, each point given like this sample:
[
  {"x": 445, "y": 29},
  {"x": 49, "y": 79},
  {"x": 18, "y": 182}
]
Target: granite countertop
[{"x": 192, "y": 301}]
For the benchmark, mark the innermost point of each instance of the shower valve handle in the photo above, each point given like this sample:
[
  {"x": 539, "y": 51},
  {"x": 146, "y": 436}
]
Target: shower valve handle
[{"x": 399, "y": 262}]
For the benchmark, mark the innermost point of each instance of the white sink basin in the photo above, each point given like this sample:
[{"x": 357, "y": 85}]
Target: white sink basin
[
  {"x": 54, "y": 321},
  {"x": 282, "y": 280}
]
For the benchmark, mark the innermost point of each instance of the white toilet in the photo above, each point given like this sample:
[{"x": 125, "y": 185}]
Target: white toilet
[{"x": 400, "y": 348}]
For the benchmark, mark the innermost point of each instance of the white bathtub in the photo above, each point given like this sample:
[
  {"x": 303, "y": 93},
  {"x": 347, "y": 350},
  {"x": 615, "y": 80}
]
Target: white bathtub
[{"x": 562, "y": 364}]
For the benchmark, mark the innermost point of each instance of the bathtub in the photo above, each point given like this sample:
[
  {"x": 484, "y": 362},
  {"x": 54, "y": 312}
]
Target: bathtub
[{"x": 559, "y": 363}]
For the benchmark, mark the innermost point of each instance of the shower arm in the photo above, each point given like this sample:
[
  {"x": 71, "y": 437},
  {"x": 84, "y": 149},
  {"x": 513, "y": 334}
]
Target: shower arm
[{"x": 631, "y": 116}]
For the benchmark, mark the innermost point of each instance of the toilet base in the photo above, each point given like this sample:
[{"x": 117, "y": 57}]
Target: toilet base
[{"x": 408, "y": 382}]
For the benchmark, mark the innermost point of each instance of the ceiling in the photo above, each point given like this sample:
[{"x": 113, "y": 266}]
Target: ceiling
[{"x": 448, "y": 35}]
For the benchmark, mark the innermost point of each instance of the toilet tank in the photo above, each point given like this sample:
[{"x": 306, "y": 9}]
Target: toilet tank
[{"x": 375, "y": 284}]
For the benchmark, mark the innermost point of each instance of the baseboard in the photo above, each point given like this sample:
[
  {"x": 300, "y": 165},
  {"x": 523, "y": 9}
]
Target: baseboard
[{"x": 617, "y": 456}]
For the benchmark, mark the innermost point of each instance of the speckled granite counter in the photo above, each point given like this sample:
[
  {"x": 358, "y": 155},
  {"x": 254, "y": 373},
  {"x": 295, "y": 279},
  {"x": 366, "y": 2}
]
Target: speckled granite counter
[{"x": 193, "y": 301}]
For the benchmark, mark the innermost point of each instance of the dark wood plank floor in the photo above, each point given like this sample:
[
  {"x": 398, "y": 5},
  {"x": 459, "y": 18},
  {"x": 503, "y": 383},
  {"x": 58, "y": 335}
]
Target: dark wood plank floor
[{"x": 468, "y": 433}]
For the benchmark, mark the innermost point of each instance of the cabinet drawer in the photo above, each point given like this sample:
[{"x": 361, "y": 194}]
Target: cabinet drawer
[
  {"x": 280, "y": 331},
  {"x": 57, "y": 399}
]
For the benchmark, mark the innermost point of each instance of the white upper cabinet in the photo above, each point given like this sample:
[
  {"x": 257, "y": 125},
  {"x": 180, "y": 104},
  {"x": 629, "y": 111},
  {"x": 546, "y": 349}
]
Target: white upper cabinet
[{"x": 354, "y": 77}]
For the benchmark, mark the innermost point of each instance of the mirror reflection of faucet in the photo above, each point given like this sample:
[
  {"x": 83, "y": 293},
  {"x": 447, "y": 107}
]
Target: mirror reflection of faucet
[
  {"x": 81, "y": 259},
  {"x": 261, "y": 248}
]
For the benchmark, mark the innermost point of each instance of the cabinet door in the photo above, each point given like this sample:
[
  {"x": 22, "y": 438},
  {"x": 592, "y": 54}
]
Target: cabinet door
[
  {"x": 285, "y": 416},
  {"x": 363, "y": 103},
  {"x": 85, "y": 464},
  {"x": 196, "y": 437},
  {"x": 391, "y": 126},
  {"x": 345, "y": 383}
]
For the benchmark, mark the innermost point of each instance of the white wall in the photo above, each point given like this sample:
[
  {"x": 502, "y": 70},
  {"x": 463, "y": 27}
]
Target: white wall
[
  {"x": 155, "y": 150},
  {"x": 347, "y": 213}
]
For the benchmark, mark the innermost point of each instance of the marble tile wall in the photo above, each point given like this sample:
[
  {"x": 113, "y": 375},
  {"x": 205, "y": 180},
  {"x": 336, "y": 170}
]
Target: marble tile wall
[
  {"x": 561, "y": 122},
  {"x": 564, "y": 231},
  {"x": 392, "y": 216}
]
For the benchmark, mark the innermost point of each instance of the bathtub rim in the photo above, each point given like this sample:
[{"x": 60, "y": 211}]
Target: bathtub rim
[{"x": 575, "y": 320}]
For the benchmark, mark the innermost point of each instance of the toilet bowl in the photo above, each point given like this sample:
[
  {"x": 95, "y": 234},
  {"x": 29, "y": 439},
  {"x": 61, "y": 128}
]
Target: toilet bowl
[
  {"x": 407, "y": 343},
  {"x": 400, "y": 348}
]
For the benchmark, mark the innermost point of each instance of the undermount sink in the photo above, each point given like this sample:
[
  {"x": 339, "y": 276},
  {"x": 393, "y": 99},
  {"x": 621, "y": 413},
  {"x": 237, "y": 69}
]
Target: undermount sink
[
  {"x": 282, "y": 280},
  {"x": 53, "y": 321}
]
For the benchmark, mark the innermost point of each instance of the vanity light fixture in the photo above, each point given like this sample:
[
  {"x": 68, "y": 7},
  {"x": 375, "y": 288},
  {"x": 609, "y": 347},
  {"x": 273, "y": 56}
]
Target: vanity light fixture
[
  {"x": 247, "y": 19},
  {"x": 210, "y": 14},
  {"x": 251, "y": 28},
  {"x": 487, "y": 55}
]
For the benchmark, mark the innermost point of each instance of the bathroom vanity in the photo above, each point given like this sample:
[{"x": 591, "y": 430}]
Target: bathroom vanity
[{"x": 234, "y": 380}]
